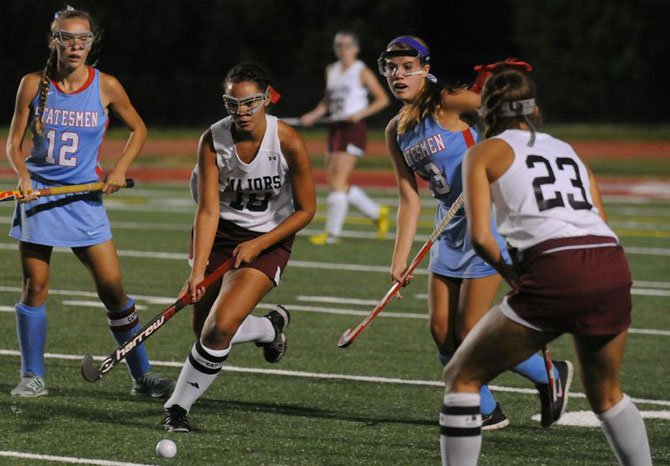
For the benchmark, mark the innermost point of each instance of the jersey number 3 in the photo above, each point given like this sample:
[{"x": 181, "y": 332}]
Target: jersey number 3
[{"x": 562, "y": 163}]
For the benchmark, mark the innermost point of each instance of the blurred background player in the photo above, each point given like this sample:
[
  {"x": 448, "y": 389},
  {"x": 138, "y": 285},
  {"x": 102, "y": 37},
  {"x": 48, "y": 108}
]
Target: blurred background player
[
  {"x": 66, "y": 105},
  {"x": 255, "y": 192},
  {"x": 428, "y": 138},
  {"x": 352, "y": 94},
  {"x": 570, "y": 274}
]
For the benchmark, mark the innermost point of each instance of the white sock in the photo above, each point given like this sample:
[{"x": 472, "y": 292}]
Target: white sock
[
  {"x": 199, "y": 371},
  {"x": 257, "y": 329},
  {"x": 337, "y": 212},
  {"x": 460, "y": 429},
  {"x": 357, "y": 197},
  {"x": 626, "y": 434}
]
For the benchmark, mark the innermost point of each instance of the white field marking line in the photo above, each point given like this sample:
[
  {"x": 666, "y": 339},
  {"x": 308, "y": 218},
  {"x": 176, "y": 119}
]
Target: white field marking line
[
  {"x": 328, "y": 376},
  {"x": 336, "y": 300},
  {"x": 96, "y": 304},
  {"x": 589, "y": 419},
  {"x": 158, "y": 300},
  {"x": 339, "y": 266},
  {"x": 66, "y": 459}
]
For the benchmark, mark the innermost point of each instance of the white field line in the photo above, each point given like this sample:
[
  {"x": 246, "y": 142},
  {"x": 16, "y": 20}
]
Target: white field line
[
  {"x": 341, "y": 266},
  {"x": 96, "y": 304},
  {"x": 65, "y": 459},
  {"x": 328, "y": 376},
  {"x": 164, "y": 301},
  {"x": 356, "y": 267}
]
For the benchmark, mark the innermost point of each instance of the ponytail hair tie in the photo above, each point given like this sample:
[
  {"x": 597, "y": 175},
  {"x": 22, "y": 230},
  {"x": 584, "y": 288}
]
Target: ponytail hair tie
[{"x": 273, "y": 94}]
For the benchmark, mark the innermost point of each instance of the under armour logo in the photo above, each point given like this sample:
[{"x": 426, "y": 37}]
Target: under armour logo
[
  {"x": 193, "y": 384},
  {"x": 272, "y": 157}
]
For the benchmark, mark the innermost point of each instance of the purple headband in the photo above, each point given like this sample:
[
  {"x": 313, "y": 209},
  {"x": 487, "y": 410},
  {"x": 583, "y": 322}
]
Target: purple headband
[{"x": 424, "y": 53}]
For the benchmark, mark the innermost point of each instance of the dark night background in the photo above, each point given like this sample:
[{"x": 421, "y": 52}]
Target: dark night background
[{"x": 595, "y": 61}]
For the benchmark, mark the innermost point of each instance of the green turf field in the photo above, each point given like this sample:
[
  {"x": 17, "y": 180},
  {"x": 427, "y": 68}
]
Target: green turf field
[{"x": 375, "y": 403}]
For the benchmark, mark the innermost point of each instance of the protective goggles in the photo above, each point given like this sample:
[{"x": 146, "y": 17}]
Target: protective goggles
[
  {"x": 413, "y": 68},
  {"x": 67, "y": 39},
  {"x": 247, "y": 106}
]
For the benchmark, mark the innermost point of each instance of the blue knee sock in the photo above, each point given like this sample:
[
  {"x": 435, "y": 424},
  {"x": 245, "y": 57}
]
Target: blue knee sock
[
  {"x": 31, "y": 327},
  {"x": 533, "y": 369},
  {"x": 124, "y": 325},
  {"x": 487, "y": 402}
]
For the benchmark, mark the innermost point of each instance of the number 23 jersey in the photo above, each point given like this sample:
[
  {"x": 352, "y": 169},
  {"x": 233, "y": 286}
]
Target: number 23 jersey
[
  {"x": 544, "y": 194},
  {"x": 256, "y": 196}
]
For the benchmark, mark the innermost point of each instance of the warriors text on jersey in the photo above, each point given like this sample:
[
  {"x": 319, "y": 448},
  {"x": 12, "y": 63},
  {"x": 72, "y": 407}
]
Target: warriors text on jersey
[
  {"x": 73, "y": 128},
  {"x": 346, "y": 93},
  {"x": 436, "y": 155},
  {"x": 544, "y": 194},
  {"x": 256, "y": 196}
]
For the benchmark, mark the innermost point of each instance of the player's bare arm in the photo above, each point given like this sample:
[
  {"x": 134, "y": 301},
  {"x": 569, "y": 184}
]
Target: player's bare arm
[
  {"x": 460, "y": 101},
  {"x": 380, "y": 99},
  {"x": 207, "y": 215},
  {"x": 481, "y": 163},
  {"x": 114, "y": 96},
  {"x": 409, "y": 208},
  {"x": 17, "y": 130},
  {"x": 302, "y": 184}
]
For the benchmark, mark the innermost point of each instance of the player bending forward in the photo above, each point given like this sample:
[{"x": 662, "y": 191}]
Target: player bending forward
[{"x": 255, "y": 192}]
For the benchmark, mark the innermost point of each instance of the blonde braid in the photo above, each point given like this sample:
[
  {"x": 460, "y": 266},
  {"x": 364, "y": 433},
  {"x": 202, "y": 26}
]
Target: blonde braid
[{"x": 47, "y": 75}]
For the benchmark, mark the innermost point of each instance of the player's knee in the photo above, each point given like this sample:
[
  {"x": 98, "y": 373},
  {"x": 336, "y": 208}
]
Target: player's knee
[
  {"x": 217, "y": 335},
  {"x": 35, "y": 292}
]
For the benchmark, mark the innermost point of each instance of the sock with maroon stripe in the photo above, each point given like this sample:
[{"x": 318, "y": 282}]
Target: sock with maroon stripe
[{"x": 124, "y": 325}]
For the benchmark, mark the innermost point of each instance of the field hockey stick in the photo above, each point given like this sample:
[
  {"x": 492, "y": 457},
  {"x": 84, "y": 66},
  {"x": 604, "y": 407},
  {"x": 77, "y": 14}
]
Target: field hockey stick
[
  {"x": 350, "y": 335},
  {"x": 549, "y": 366},
  {"x": 93, "y": 373},
  {"x": 295, "y": 121},
  {"x": 6, "y": 196}
]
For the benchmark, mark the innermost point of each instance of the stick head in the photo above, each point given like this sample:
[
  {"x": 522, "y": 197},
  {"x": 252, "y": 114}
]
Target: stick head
[
  {"x": 89, "y": 370},
  {"x": 345, "y": 340}
]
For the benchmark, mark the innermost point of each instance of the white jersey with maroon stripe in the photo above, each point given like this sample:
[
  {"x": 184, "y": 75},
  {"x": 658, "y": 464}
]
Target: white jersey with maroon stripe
[
  {"x": 256, "y": 195},
  {"x": 346, "y": 93},
  {"x": 544, "y": 194}
]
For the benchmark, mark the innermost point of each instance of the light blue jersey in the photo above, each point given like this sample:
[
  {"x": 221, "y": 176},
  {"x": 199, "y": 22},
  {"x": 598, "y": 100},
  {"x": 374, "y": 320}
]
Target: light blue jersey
[
  {"x": 436, "y": 155},
  {"x": 66, "y": 153}
]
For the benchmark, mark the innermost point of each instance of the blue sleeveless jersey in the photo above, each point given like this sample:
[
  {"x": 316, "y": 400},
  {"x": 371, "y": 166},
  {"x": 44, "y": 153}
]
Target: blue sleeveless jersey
[
  {"x": 66, "y": 153},
  {"x": 74, "y": 124},
  {"x": 436, "y": 155}
]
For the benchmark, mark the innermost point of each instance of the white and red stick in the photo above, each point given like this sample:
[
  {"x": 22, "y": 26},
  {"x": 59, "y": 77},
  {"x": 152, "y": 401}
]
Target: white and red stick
[{"x": 350, "y": 334}]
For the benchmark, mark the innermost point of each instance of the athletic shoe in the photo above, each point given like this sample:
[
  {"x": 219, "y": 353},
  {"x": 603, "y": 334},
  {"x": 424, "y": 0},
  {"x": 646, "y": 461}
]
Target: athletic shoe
[
  {"x": 323, "y": 239},
  {"x": 175, "y": 420},
  {"x": 30, "y": 386},
  {"x": 383, "y": 222},
  {"x": 154, "y": 385},
  {"x": 552, "y": 412},
  {"x": 280, "y": 318},
  {"x": 496, "y": 420}
]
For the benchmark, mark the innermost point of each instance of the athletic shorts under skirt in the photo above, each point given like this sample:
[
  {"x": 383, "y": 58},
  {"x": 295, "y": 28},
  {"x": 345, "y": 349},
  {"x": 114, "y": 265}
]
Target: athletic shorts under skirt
[
  {"x": 348, "y": 137},
  {"x": 578, "y": 285},
  {"x": 272, "y": 261},
  {"x": 67, "y": 220}
]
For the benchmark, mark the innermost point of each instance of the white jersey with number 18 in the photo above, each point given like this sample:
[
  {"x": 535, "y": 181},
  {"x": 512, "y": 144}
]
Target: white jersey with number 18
[
  {"x": 256, "y": 196},
  {"x": 544, "y": 194}
]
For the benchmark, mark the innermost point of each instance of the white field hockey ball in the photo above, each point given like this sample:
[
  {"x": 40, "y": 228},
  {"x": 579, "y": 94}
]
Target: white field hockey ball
[{"x": 166, "y": 448}]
